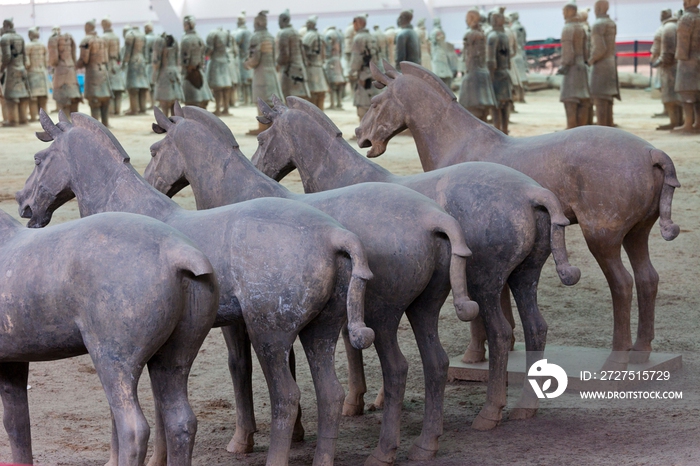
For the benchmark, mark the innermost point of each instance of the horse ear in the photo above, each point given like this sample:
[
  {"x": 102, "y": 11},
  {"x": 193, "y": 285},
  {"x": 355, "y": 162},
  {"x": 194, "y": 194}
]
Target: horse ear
[
  {"x": 276, "y": 101},
  {"x": 50, "y": 128},
  {"x": 264, "y": 120},
  {"x": 266, "y": 110},
  {"x": 43, "y": 136},
  {"x": 430, "y": 78},
  {"x": 177, "y": 109},
  {"x": 157, "y": 129},
  {"x": 315, "y": 113},
  {"x": 390, "y": 70},
  {"x": 380, "y": 78},
  {"x": 163, "y": 122}
]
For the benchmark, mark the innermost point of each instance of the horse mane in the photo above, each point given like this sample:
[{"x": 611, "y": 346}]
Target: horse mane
[
  {"x": 103, "y": 134},
  {"x": 430, "y": 78},
  {"x": 212, "y": 122},
  {"x": 315, "y": 113}
]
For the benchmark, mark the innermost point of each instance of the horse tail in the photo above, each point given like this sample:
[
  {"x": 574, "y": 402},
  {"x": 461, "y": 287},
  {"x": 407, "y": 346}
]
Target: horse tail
[
  {"x": 465, "y": 308},
  {"x": 361, "y": 336},
  {"x": 659, "y": 158},
  {"x": 186, "y": 257},
  {"x": 541, "y": 197}
]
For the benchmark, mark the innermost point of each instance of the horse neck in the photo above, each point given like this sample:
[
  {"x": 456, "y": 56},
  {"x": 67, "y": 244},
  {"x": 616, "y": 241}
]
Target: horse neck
[
  {"x": 103, "y": 183},
  {"x": 325, "y": 161},
  {"x": 432, "y": 130},
  {"x": 222, "y": 175}
]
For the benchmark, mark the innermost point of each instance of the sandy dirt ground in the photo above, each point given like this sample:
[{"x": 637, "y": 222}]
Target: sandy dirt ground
[{"x": 70, "y": 416}]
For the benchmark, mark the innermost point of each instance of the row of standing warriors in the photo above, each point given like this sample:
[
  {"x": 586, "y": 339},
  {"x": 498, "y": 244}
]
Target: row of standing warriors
[
  {"x": 588, "y": 66},
  {"x": 676, "y": 53},
  {"x": 495, "y": 65}
]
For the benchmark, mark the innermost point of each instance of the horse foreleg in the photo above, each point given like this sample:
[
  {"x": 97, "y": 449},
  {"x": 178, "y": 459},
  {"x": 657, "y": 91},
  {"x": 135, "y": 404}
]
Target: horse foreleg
[
  {"x": 13, "y": 389},
  {"x": 240, "y": 364},
  {"x": 646, "y": 279}
]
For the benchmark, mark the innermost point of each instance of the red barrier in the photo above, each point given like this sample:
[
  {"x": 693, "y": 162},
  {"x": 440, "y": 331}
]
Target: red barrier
[{"x": 634, "y": 54}]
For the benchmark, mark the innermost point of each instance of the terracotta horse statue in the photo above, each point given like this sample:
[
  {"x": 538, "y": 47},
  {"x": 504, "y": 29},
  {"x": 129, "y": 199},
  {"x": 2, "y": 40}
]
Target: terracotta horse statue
[
  {"x": 284, "y": 269},
  {"x": 511, "y": 224},
  {"x": 414, "y": 248},
  {"x": 612, "y": 183},
  {"x": 128, "y": 290}
]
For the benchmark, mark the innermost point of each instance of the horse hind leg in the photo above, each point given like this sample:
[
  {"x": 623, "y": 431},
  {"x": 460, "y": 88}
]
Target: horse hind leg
[
  {"x": 423, "y": 314},
  {"x": 240, "y": 364},
  {"x": 319, "y": 338},
  {"x": 354, "y": 404},
  {"x": 13, "y": 390},
  {"x": 646, "y": 279},
  {"x": 606, "y": 251},
  {"x": 273, "y": 354}
]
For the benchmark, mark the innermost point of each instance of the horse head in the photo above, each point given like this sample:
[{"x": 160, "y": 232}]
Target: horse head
[
  {"x": 388, "y": 114},
  {"x": 54, "y": 179},
  {"x": 189, "y": 131},
  {"x": 277, "y": 146},
  {"x": 273, "y": 156}
]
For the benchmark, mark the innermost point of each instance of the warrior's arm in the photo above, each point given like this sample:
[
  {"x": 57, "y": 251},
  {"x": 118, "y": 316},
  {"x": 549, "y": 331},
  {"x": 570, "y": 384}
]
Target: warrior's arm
[
  {"x": 598, "y": 46},
  {"x": 254, "y": 55},
  {"x": 683, "y": 33}
]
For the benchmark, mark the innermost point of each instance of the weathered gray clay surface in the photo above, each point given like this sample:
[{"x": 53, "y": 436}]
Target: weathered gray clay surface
[
  {"x": 291, "y": 277},
  {"x": 505, "y": 217},
  {"x": 414, "y": 265},
  {"x": 126, "y": 289},
  {"x": 613, "y": 184}
]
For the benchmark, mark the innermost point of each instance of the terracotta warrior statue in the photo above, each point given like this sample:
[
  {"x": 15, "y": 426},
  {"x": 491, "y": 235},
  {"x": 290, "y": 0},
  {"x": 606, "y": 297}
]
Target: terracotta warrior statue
[
  {"x": 518, "y": 88},
  {"x": 498, "y": 63},
  {"x": 574, "y": 55},
  {"x": 234, "y": 67},
  {"x": 349, "y": 36},
  {"x": 604, "y": 84},
  {"x": 520, "y": 59},
  {"x": 243, "y": 36},
  {"x": 167, "y": 82},
  {"x": 667, "y": 64},
  {"x": 94, "y": 58},
  {"x": 382, "y": 46},
  {"x": 218, "y": 71},
  {"x": 135, "y": 65},
  {"x": 687, "y": 54},
  {"x": 261, "y": 59},
  {"x": 192, "y": 50},
  {"x": 390, "y": 33},
  {"x": 117, "y": 83},
  {"x": 407, "y": 43},
  {"x": 37, "y": 74},
  {"x": 62, "y": 58},
  {"x": 443, "y": 63},
  {"x": 425, "y": 57},
  {"x": 364, "y": 51},
  {"x": 476, "y": 93},
  {"x": 148, "y": 54},
  {"x": 314, "y": 50},
  {"x": 290, "y": 61},
  {"x": 334, "y": 67},
  {"x": 15, "y": 88}
]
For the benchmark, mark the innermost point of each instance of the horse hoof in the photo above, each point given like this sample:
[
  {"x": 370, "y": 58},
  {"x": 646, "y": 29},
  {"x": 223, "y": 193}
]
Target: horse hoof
[
  {"x": 518, "y": 414},
  {"x": 417, "y": 453},
  {"x": 374, "y": 461},
  {"x": 353, "y": 410},
  {"x": 474, "y": 357},
  {"x": 481, "y": 422},
  {"x": 240, "y": 448}
]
